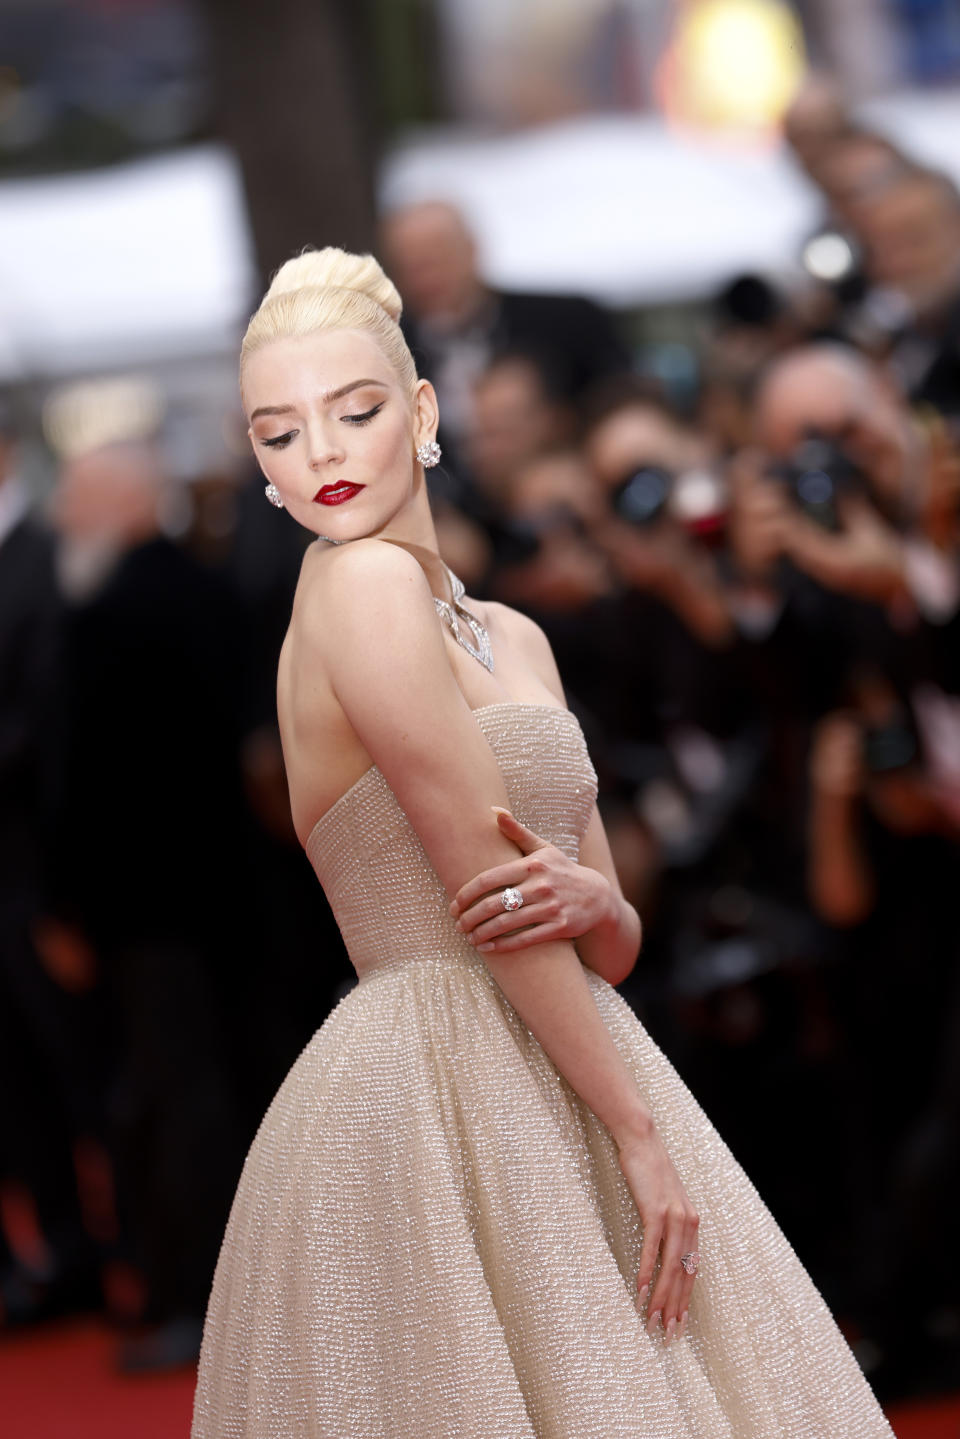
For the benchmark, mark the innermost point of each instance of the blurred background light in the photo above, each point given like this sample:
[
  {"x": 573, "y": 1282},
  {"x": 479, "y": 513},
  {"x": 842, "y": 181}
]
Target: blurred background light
[
  {"x": 733, "y": 63},
  {"x": 828, "y": 256}
]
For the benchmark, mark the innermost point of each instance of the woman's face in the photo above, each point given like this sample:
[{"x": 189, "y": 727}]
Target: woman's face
[{"x": 334, "y": 431}]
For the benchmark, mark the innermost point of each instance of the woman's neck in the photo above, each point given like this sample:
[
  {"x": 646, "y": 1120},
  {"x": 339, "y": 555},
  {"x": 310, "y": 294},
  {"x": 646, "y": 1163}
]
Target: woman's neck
[{"x": 413, "y": 530}]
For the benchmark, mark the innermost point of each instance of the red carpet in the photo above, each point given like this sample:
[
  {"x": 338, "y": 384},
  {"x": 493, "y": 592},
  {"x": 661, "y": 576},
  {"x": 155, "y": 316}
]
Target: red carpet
[{"x": 58, "y": 1382}]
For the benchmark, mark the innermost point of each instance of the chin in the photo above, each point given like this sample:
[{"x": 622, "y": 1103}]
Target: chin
[
  {"x": 363, "y": 517},
  {"x": 327, "y": 524}
]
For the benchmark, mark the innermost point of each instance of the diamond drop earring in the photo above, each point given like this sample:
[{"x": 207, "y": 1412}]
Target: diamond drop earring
[
  {"x": 273, "y": 495},
  {"x": 429, "y": 454}
]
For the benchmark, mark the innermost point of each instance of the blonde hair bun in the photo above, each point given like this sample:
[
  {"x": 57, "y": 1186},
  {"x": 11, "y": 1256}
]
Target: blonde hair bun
[
  {"x": 331, "y": 289},
  {"x": 331, "y": 268}
]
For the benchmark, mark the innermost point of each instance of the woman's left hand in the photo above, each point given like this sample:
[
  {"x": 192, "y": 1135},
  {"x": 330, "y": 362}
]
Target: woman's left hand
[{"x": 561, "y": 899}]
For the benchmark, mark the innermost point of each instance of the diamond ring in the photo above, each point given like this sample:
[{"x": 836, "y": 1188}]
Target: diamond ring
[
  {"x": 511, "y": 899},
  {"x": 690, "y": 1262}
]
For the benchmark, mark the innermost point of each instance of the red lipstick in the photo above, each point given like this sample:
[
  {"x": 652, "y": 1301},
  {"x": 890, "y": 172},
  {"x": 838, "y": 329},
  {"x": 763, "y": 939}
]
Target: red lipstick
[{"x": 336, "y": 494}]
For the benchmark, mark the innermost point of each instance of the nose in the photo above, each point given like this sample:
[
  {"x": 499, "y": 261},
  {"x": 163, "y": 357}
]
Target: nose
[{"x": 326, "y": 447}]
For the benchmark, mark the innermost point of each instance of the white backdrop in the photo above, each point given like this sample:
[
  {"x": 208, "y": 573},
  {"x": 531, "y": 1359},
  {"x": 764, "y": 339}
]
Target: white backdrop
[
  {"x": 631, "y": 212},
  {"x": 149, "y": 262},
  {"x": 126, "y": 265}
]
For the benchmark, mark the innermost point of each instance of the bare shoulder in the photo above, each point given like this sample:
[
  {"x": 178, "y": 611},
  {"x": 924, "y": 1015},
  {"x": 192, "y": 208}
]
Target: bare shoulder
[
  {"x": 366, "y": 573},
  {"x": 527, "y": 639},
  {"x": 361, "y": 561}
]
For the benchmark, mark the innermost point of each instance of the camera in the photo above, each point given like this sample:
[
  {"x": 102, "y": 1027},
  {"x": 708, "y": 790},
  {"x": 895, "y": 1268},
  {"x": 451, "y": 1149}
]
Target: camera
[
  {"x": 641, "y": 498},
  {"x": 889, "y": 747},
  {"x": 818, "y": 471},
  {"x": 520, "y": 539}
]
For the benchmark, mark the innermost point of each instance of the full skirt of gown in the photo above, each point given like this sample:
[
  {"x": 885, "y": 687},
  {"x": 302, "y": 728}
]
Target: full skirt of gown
[{"x": 432, "y": 1237}]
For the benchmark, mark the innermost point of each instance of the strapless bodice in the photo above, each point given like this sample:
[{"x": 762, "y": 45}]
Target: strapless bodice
[{"x": 387, "y": 898}]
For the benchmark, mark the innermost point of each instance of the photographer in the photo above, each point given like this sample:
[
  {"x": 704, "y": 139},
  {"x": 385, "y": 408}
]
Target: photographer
[
  {"x": 663, "y": 500},
  {"x": 552, "y": 567},
  {"x": 882, "y": 871},
  {"x": 856, "y": 490}
]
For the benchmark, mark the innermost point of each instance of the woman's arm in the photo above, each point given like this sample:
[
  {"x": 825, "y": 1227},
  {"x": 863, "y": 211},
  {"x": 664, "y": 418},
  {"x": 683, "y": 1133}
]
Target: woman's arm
[
  {"x": 370, "y": 631},
  {"x": 372, "y": 628},
  {"x": 578, "y": 900},
  {"x": 610, "y": 947}
]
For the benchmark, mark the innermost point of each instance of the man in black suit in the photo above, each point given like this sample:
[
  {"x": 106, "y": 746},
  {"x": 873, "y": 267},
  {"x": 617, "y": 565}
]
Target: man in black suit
[
  {"x": 38, "y": 1019},
  {"x": 910, "y": 231},
  {"x": 456, "y": 324},
  {"x": 146, "y": 857}
]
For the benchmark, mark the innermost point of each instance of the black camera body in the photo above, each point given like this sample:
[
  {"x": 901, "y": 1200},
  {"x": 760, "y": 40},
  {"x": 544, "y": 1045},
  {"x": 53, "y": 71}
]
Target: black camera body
[
  {"x": 890, "y": 747},
  {"x": 816, "y": 474}
]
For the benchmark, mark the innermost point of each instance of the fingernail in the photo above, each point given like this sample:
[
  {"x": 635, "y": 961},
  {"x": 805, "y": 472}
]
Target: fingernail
[
  {"x": 459, "y": 926},
  {"x": 683, "y": 1323},
  {"x": 483, "y": 948},
  {"x": 671, "y": 1329},
  {"x": 644, "y": 1291},
  {"x": 454, "y": 907},
  {"x": 653, "y": 1321}
]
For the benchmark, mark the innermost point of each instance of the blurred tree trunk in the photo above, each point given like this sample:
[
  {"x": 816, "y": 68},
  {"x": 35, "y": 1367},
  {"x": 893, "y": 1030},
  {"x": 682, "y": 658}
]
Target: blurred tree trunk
[{"x": 294, "y": 97}]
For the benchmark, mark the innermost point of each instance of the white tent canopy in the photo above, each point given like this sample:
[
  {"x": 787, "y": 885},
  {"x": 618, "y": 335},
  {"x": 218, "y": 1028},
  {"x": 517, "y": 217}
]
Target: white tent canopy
[
  {"x": 136, "y": 263},
  {"x": 152, "y": 261},
  {"x": 632, "y": 212}
]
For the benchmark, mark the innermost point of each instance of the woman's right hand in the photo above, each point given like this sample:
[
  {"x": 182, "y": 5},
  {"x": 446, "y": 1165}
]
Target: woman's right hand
[{"x": 670, "y": 1225}]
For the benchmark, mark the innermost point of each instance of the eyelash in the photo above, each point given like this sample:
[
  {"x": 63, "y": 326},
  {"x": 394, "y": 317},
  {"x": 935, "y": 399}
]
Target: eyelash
[
  {"x": 280, "y": 442},
  {"x": 366, "y": 417}
]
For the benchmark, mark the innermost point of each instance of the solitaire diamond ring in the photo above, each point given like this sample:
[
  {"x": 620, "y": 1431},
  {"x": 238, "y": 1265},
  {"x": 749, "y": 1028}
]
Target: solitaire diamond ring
[{"x": 511, "y": 899}]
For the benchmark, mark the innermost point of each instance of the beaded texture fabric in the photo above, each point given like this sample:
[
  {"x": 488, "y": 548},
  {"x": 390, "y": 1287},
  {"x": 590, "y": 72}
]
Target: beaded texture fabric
[{"x": 432, "y": 1238}]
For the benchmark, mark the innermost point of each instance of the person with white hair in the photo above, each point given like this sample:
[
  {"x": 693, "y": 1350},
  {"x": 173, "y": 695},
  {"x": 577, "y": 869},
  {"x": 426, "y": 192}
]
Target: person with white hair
[{"x": 482, "y": 1203}]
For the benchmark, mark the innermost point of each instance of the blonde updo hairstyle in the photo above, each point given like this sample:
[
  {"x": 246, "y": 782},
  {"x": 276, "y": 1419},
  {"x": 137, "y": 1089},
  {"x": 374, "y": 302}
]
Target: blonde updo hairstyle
[{"x": 331, "y": 289}]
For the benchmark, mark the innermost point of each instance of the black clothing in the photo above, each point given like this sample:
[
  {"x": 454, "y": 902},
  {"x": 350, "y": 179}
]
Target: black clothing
[
  {"x": 571, "y": 338},
  {"x": 149, "y": 856}
]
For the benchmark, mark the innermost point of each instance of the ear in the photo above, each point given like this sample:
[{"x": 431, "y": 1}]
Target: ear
[{"x": 426, "y": 414}]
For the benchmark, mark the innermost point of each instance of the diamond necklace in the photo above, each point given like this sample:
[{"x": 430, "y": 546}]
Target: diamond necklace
[
  {"x": 453, "y": 614},
  {"x": 456, "y": 612}
]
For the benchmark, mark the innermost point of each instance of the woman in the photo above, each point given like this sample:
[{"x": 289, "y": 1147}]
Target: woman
[{"x": 472, "y": 1209}]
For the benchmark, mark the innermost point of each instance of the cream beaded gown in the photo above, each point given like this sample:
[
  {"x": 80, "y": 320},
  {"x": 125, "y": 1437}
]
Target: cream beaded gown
[{"x": 432, "y": 1237}]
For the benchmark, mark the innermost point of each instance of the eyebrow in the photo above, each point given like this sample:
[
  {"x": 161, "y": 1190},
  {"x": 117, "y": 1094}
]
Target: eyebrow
[{"x": 325, "y": 399}]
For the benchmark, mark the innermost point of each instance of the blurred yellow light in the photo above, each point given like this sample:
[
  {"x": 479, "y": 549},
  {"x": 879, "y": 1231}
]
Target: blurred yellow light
[{"x": 734, "y": 63}]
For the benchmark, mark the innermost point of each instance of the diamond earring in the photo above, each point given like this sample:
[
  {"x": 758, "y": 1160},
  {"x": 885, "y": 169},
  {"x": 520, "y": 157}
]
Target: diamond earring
[
  {"x": 273, "y": 495},
  {"x": 429, "y": 454}
]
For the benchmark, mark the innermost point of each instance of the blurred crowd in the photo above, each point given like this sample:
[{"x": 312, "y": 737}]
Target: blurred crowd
[{"x": 752, "y": 587}]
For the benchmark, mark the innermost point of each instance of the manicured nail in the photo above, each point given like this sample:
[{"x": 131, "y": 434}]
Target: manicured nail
[
  {"x": 653, "y": 1321},
  {"x": 671, "y": 1330},
  {"x": 458, "y": 926},
  {"x": 483, "y": 948},
  {"x": 683, "y": 1323},
  {"x": 644, "y": 1291}
]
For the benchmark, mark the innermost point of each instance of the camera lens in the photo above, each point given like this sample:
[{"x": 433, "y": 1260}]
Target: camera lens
[
  {"x": 814, "y": 487},
  {"x": 643, "y": 494}
]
